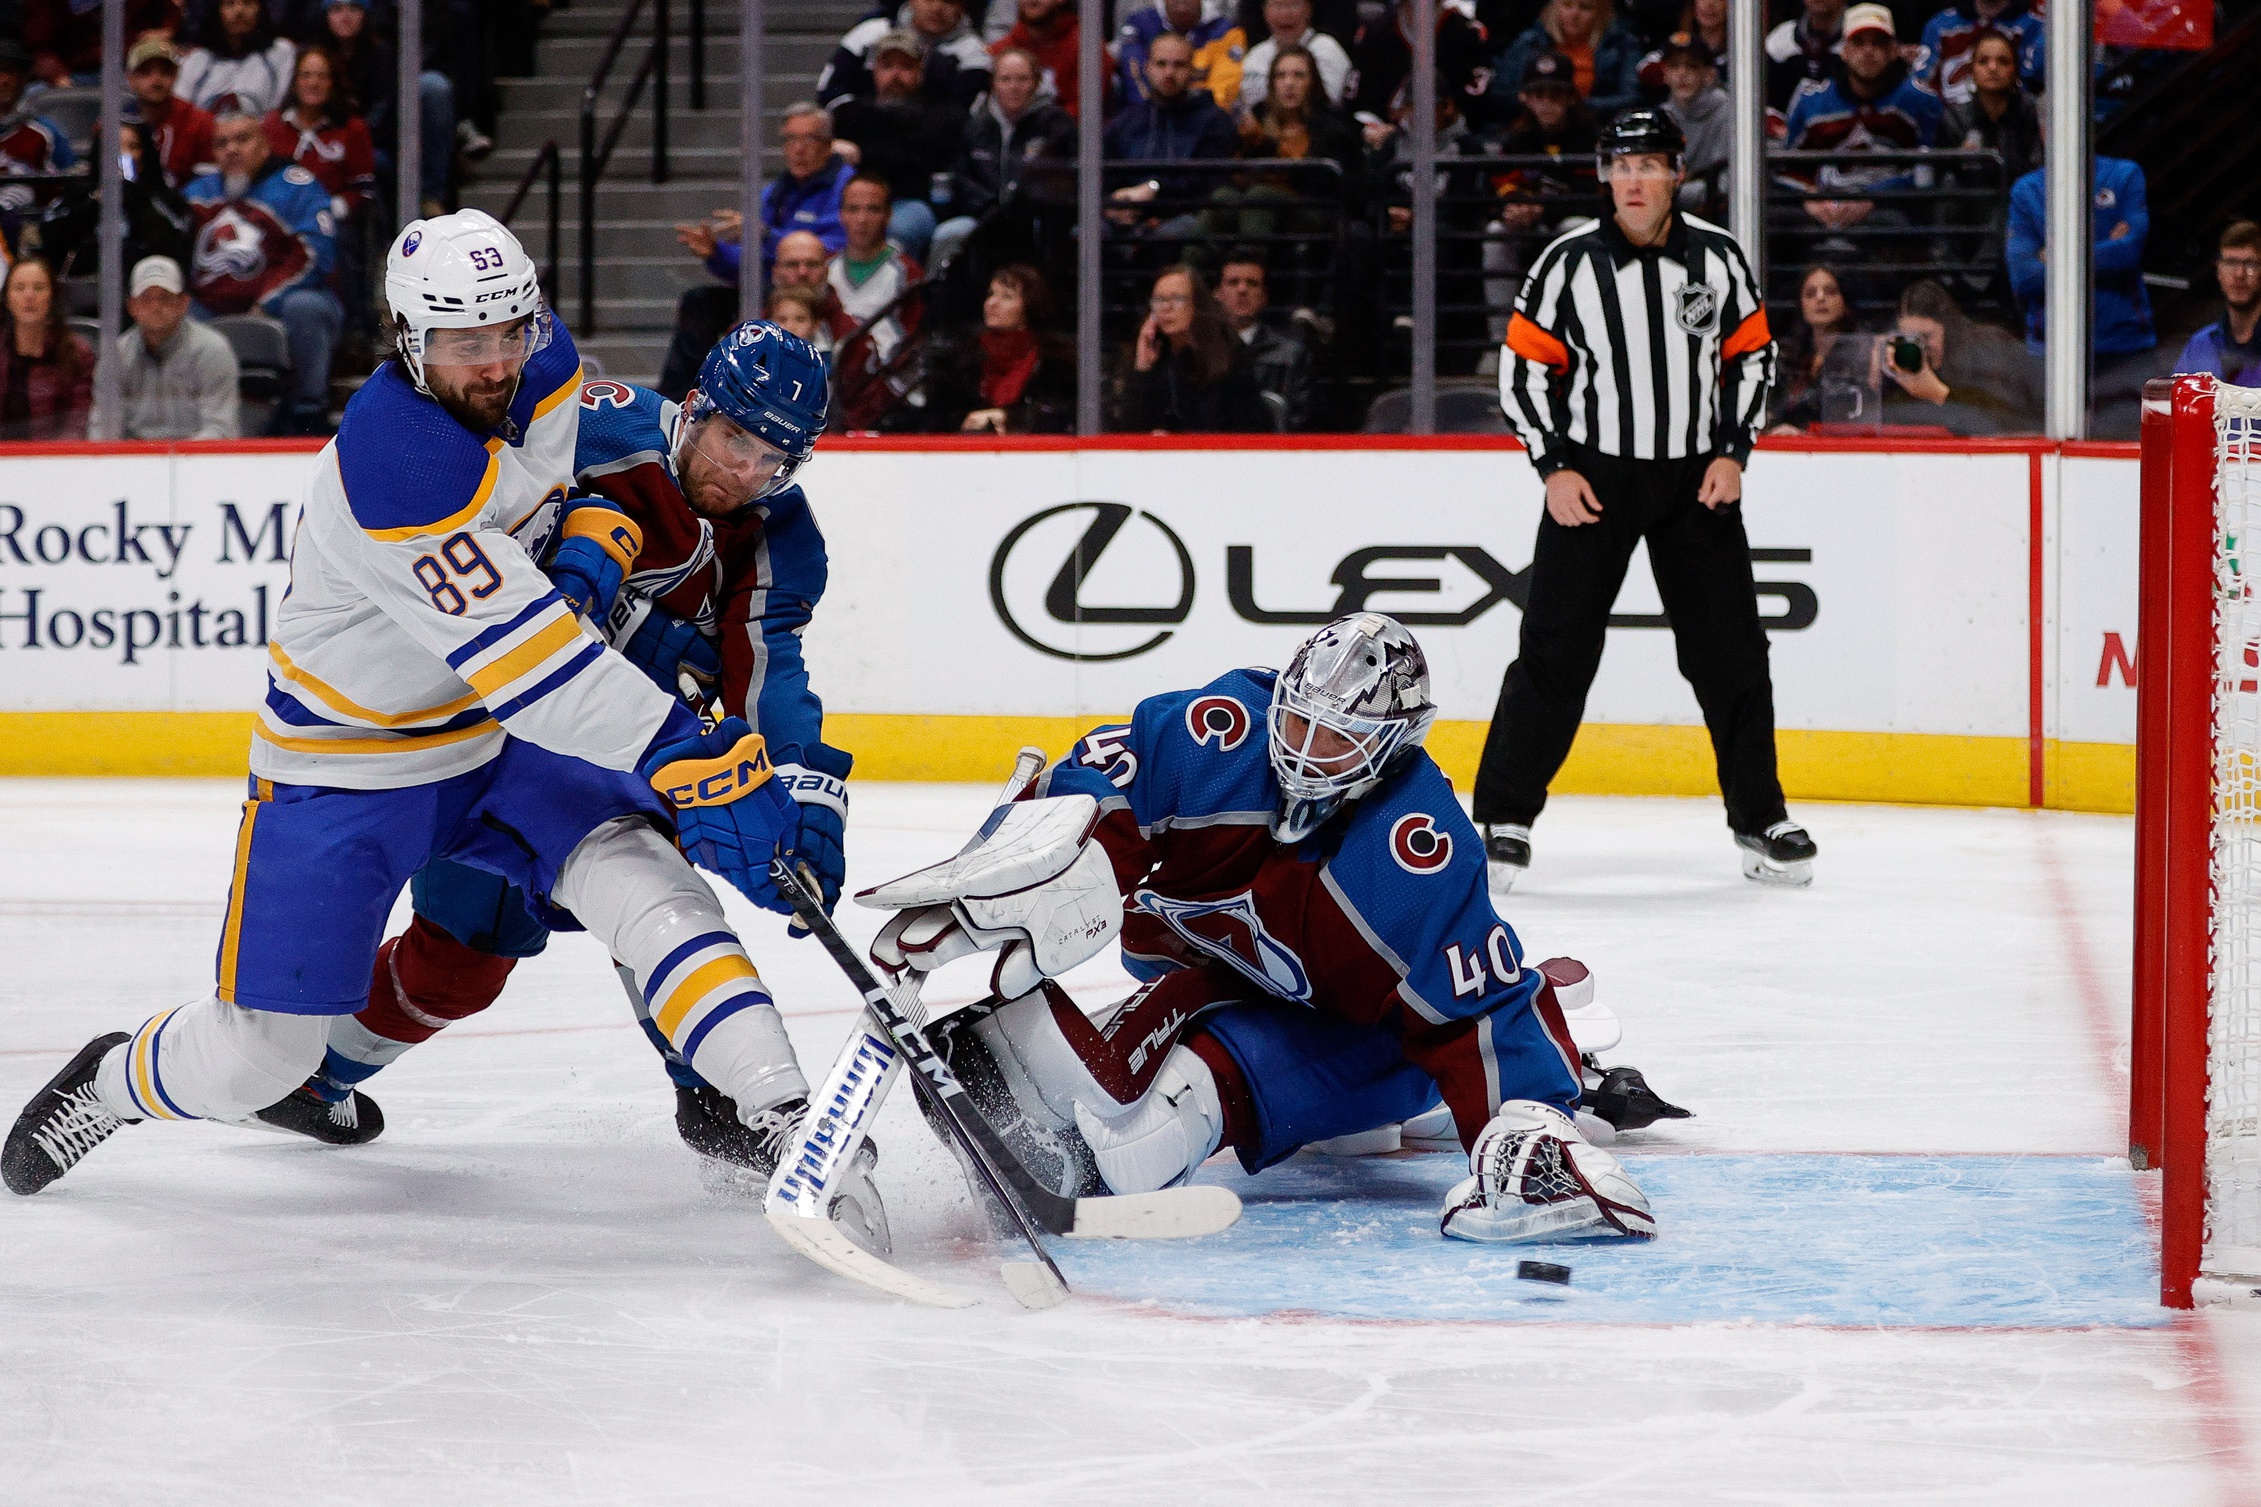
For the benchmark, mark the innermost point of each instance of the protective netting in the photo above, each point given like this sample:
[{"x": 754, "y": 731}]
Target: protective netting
[{"x": 2233, "y": 1096}]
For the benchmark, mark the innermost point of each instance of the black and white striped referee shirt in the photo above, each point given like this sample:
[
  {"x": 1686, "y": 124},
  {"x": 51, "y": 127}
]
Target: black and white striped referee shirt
[{"x": 1648, "y": 353}]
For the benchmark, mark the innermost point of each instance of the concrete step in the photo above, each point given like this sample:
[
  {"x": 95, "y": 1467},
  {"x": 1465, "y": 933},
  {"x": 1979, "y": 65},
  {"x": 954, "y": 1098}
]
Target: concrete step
[
  {"x": 623, "y": 194},
  {"x": 524, "y": 131},
  {"x": 801, "y": 18},
  {"x": 577, "y": 57}
]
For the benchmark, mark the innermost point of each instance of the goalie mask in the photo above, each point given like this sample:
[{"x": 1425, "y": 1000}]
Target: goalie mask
[
  {"x": 1351, "y": 704},
  {"x": 463, "y": 292}
]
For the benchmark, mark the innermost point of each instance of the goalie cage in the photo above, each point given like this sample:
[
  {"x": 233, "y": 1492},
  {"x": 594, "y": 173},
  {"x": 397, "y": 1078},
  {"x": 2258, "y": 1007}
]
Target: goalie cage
[{"x": 2195, "y": 1061}]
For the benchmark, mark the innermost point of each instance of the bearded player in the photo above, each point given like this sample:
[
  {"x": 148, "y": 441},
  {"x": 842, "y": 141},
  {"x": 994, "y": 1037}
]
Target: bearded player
[
  {"x": 727, "y": 568},
  {"x": 1308, "y": 903}
]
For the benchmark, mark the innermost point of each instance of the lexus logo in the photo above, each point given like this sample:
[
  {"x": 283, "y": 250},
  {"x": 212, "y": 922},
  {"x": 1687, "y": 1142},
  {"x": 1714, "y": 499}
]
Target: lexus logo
[{"x": 1048, "y": 611}]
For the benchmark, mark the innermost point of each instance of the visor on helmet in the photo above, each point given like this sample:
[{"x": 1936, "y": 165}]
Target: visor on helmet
[
  {"x": 746, "y": 460},
  {"x": 487, "y": 345}
]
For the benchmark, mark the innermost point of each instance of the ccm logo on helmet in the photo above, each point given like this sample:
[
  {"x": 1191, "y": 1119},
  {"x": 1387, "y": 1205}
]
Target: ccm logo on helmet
[
  {"x": 1218, "y": 719},
  {"x": 1418, "y": 846}
]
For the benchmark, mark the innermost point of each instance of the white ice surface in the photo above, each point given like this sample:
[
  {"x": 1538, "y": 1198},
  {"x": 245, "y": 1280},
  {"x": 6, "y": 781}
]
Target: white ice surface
[{"x": 525, "y": 1293}]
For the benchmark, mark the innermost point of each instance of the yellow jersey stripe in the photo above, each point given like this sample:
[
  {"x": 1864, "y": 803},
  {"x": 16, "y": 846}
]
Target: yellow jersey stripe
[
  {"x": 464, "y": 519},
  {"x": 701, "y": 982},
  {"x": 337, "y": 701},
  {"x": 141, "y": 1066},
  {"x": 398, "y": 743},
  {"x": 231, "y": 934},
  {"x": 489, "y": 679},
  {"x": 568, "y": 391}
]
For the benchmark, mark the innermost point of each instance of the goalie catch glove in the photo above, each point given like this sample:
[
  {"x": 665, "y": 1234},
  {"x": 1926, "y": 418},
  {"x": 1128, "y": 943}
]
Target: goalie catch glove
[
  {"x": 1032, "y": 886},
  {"x": 817, "y": 780},
  {"x": 1537, "y": 1179},
  {"x": 730, "y": 815}
]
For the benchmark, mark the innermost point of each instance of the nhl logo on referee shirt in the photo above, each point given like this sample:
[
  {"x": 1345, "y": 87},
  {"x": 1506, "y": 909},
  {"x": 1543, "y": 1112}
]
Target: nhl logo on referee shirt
[{"x": 1696, "y": 306}]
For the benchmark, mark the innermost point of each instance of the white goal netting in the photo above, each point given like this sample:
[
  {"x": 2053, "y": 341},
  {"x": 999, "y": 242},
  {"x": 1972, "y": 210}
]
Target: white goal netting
[{"x": 2233, "y": 1046}]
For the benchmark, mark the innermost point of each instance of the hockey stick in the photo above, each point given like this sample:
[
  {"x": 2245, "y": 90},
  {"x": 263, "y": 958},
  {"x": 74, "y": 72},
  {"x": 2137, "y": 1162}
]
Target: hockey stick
[{"x": 1172, "y": 1213}]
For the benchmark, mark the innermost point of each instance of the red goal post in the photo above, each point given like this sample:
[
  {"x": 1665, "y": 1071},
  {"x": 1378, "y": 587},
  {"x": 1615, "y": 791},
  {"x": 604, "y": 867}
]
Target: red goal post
[{"x": 2195, "y": 1058}]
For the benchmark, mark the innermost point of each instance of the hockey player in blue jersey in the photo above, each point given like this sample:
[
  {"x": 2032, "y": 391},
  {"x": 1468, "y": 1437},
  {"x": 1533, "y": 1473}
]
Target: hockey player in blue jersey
[
  {"x": 434, "y": 695},
  {"x": 1307, "y": 900},
  {"x": 728, "y": 568}
]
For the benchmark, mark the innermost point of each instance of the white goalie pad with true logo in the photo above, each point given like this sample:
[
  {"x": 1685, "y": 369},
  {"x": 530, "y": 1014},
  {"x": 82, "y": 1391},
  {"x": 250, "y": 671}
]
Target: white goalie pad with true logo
[{"x": 1033, "y": 886}]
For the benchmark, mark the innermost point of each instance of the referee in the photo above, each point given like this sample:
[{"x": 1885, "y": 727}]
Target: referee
[{"x": 1635, "y": 373}]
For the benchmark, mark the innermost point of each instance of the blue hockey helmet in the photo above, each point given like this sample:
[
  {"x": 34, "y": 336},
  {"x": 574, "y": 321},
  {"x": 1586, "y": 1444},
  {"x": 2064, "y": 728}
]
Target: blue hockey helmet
[{"x": 770, "y": 383}]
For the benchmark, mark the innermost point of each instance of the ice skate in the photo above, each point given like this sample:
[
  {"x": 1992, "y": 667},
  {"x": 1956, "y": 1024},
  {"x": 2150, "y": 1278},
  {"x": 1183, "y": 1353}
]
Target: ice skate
[
  {"x": 1507, "y": 853},
  {"x": 1536, "y": 1179},
  {"x": 62, "y": 1123},
  {"x": 741, "y": 1158},
  {"x": 1782, "y": 854},
  {"x": 354, "y": 1120}
]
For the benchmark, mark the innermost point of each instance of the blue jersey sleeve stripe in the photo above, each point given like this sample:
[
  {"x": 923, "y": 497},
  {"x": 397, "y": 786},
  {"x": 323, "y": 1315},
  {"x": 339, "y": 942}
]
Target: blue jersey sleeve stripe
[
  {"x": 674, "y": 960},
  {"x": 718, "y": 1015},
  {"x": 550, "y": 682},
  {"x": 489, "y": 637}
]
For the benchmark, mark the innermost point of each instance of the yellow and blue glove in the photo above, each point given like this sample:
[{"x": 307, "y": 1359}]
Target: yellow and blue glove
[
  {"x": 731, "y": 815},
  {"x": 596, "y": 547}
]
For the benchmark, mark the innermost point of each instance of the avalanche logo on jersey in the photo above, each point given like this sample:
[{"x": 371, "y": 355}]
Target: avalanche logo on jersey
[
  {"x": 606, "y": 394},
  {"x": 1232, "y": 931},
  {"x": 1218, "y": 719},
  {"x": 1418, "y": 846},
  {"x": 230, "y": 248}
]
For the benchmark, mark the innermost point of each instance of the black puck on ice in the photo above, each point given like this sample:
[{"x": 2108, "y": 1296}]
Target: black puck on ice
[{"x": 1543, "y": 1271}]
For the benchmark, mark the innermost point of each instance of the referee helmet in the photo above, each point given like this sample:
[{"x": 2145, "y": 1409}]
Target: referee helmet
[{"x": 1638, "y": 133}]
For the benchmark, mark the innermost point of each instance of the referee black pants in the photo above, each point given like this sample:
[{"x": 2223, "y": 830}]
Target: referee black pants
[{"x": 1702, "y": 562}]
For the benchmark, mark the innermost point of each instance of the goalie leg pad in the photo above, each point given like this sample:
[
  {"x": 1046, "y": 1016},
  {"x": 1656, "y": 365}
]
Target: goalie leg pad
[
  {"x": 210, "y": 1061},
  {"x": 1166, "y": 1135},
  {"x": 636, "y": 894},
  {"x": 1536, "y": 1179}
]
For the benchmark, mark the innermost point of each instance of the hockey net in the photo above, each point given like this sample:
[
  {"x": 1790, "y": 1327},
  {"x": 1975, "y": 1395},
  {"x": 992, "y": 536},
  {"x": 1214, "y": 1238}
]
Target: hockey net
[{"x": 2196, "y": 1058}]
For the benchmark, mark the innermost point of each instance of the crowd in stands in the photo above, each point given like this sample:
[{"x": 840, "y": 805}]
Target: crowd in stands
[
  {"x": 260, "y": 142},
  {"x": 1259, "y": 151}
]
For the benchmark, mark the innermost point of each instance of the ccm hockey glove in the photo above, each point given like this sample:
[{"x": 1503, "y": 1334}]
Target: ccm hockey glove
[
  {"x": 597, "y": 546},
  {"x": 730, "y": 815}
]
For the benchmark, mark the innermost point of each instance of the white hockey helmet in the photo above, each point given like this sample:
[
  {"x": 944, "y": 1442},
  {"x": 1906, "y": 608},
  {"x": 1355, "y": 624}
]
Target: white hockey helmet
[
  {"x": 459, "y": 272},
  {"x": 1352, "y": 702}
]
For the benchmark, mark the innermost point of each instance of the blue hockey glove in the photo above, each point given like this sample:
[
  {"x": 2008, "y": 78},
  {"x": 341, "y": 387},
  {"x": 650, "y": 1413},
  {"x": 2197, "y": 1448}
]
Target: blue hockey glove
[
  {"x": 597, "y": 546},
  {"x": 817, "y": 779},
  {"x": 731, "y": 817},
  {"x": 666, "y": 648}
]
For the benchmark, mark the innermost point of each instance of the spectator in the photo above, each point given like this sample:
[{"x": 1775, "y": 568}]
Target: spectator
[
  {"x": 1463, "y": 216},
  {"x": 1971, "y": 379},
  {"x": 2228, "y": 347},
  {"x": 1278, "y": 359},
  {"x": 806, "y": 196},
  {"x": 181, "y": 378},
  {"x": 1050, "y": 32},
  {"x": 1800, "y": 52},
  {"x": 956, "y": 64},
  {"x": 703, "y": 314},
  {"x": 1944, "y": 62},
  {"x": 1703, "y": 25},
  {"x": 1699, "y": 107},
  {"x": 319, "y": 129},
  {"x": 372, "y": 77},
  {"x": 1605, "y": 56},
  {"x": 872, "y": 320},
  {"x": 1013, "y": 376},
  {"x": 46, "y": 372},
  {"x": 1869, "y": 103},
  {"x": 1381, "y": 56},
  {"x": 797, "y": 311},
  {"x": 264, "y": 242},
  {"x": 896, "y": 136},
  {"x": 1294, "y": 124},
  {"x": 1292, "y": 120},
  {"x": 1290, "y": 24},
  {"x": 1824, "y": 363},
  {"x": 1174, "y": 123},
  {"x": 65, "y": 38},
  {"x": 1010, "y": 130},
  {"x": 1185, "y": 374},
  {"x": 1208, "y": 27},
  {"x": 1552, "y": 122},
  {"x": 237, "y": 61},
  {"x": 2122, "y": 339},
  {"x": 180, "y": 131},
  {"x": 1996, "y": 115},
  {"x": 29, "y": 142}
]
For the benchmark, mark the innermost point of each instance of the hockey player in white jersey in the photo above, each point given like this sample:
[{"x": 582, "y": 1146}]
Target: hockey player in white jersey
[{"x": 432, "y": 694}]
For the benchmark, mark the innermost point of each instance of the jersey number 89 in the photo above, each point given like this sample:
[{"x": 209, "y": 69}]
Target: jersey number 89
[{"x": 461, "y": 559}]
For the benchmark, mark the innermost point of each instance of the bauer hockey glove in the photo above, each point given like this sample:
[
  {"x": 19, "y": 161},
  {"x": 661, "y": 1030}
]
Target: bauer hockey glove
[
  {"x": 597, "y": 545},
  {"x": 817, "y": 779},
  {"x": 731, "y": 816},
  {"x": 667, "y": 648}
]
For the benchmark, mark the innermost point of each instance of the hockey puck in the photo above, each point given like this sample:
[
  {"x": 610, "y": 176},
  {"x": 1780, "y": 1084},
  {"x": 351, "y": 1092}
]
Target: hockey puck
[{"x": 1543, "y": 1271}]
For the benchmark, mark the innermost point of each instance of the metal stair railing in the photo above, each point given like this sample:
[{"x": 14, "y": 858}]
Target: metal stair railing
[
  {"x": 596, "y": 157},
  {"x": 547, "y": 156}
]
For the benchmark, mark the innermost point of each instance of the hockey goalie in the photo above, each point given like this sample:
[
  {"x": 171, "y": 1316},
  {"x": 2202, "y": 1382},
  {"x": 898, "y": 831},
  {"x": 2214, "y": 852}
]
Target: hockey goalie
[{"x": 1290, "y": 876}]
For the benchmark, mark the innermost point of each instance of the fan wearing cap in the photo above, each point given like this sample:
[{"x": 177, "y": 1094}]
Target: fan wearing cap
[
  {"x": 1636, "y": 369},
  {"x": 179, "y": 131},
  {"x": 1700, "y": 108},
  {"x": 1870, "y": 102},
  {"x": 180, "y": 376},
  {"x": 900, "y": 138}
]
